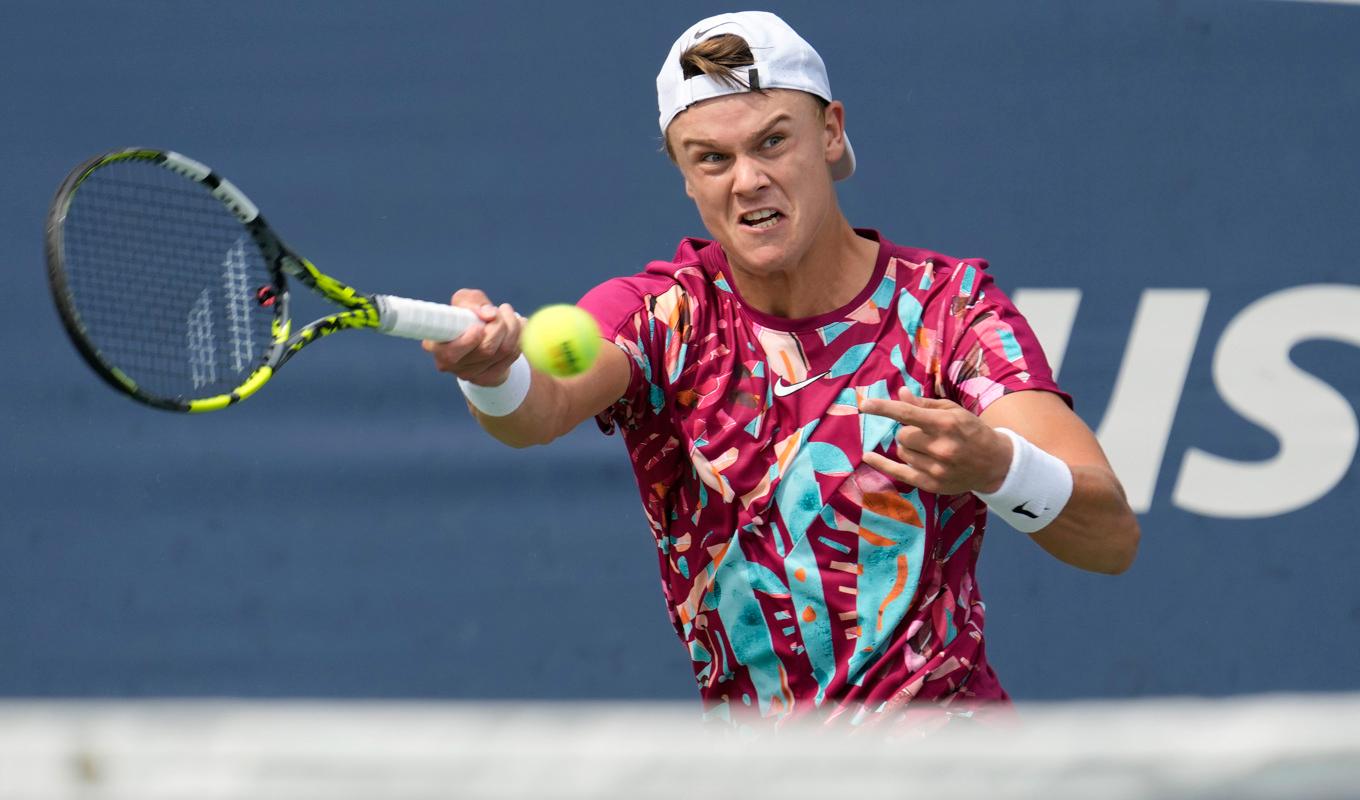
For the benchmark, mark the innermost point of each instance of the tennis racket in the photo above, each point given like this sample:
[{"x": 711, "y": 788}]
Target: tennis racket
[{"x": 175, "y": 290}]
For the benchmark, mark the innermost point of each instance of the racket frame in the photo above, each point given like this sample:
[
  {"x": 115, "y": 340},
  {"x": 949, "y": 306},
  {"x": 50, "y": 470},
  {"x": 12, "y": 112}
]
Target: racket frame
[{"x": 361, "y": 311}]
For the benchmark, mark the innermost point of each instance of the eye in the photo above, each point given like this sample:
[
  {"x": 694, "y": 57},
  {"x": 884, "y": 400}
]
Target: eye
[
  {"x": 711, "y": 158},
  {"x": 774, "y": 140}
]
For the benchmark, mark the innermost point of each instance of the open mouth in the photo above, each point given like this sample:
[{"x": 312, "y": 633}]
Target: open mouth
[{"x": 762, "y": 219}]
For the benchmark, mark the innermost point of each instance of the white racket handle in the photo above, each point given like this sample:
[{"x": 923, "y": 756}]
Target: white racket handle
[{"x": 421, "y": 319}]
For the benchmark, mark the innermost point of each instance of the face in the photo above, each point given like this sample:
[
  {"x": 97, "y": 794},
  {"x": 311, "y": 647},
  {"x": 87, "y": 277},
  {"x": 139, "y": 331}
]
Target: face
[{"x": 758, "y": 168}]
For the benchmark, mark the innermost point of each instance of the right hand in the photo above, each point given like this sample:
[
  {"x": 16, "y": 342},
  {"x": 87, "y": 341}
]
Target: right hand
[{"x": 485, "y": 351}]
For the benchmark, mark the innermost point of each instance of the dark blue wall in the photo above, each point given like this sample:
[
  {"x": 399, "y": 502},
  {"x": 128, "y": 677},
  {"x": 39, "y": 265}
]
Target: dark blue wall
[{"x": 349, "y": 531}]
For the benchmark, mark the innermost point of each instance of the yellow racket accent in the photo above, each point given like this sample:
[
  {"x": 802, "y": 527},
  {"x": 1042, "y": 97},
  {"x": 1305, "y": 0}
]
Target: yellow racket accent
[
  {"x": 252, "y": 384},
  {"x": 120, "y": 233}
]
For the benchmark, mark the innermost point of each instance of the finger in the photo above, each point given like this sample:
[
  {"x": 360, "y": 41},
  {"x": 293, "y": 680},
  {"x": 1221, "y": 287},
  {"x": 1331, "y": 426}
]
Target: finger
[
  {"x": 466, "y": 342},
  {"x": 905, "y": 413},
  {"x": 937, "y": 446},
  {"x": 923, "y": 464},
  {"x": 923, "y": 476},
  {"x": 472, "y": 299},
  {"x": 507, "y": 325},
  {"x": 450, "y": 356},
  {"x": 907, "y": 396},
  {"x": 912, "y": 438},
  {"x": 514, "y": 324},
  {"x": 489, "y": 347},
  {"x": 898, "y": 471}
]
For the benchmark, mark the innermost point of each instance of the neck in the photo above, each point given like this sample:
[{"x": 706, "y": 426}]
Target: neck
[{"x": 830, "y": 274}]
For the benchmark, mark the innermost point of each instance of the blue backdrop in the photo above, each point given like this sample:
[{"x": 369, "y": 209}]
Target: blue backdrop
[{"x": 1171, "y": 189}]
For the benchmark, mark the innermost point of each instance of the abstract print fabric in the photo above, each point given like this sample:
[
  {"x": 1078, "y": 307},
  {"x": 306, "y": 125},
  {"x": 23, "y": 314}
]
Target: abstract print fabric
[{"x": 804, "y": 583}]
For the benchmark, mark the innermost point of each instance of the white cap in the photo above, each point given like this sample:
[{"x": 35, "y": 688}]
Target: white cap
[{"x": 783, "y": 60}]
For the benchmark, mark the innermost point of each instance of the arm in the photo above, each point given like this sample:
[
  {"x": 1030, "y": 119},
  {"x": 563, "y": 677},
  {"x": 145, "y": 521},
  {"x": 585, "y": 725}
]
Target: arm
[
  {"x": 1096, "y": 529},
  {"x": 943, "y": 448},
  {"x": 553, "y": 406}
]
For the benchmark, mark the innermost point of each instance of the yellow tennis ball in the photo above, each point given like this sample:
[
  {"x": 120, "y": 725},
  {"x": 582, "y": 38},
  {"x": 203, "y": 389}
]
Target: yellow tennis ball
[{"x": 561, "y": 340}]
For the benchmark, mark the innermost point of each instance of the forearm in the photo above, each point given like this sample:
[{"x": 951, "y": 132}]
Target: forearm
[
  {"x": 518, "y": 405},
  {"x": 538, "y": 420},
  {"x": 553, "y": 406},
  {"x": 1096, "y": 530}
]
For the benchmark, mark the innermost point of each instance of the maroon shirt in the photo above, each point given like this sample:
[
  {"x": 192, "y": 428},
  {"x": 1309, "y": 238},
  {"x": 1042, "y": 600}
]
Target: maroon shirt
[{"x": 801, "y": 580}]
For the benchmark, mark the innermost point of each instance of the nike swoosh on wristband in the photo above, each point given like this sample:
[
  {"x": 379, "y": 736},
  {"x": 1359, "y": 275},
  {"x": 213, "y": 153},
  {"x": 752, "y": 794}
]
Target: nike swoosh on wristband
[
  {"x": 1020, "y": 509},
  {"x": 782, "y": 389}
]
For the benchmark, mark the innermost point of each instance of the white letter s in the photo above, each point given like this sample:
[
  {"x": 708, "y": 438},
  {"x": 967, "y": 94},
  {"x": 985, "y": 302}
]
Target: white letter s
[{"x": 1315, "y": 424}]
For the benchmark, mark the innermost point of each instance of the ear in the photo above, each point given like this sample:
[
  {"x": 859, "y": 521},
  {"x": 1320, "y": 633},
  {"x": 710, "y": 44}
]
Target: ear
[
  {"x": 689, "y": 190},
  {"x": 834, "y": 131}
]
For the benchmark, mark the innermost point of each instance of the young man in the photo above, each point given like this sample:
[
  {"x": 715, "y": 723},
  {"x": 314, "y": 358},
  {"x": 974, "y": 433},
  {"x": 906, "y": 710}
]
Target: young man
[{"x": 818, "y": 419}]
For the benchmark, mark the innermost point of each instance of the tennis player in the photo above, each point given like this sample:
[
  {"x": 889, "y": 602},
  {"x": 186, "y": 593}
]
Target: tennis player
[{"x": 821, "y": 421}]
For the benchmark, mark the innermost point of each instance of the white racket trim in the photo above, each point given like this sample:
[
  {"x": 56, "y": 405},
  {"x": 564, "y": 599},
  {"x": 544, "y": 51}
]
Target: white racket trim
[{"x": 421, "y": 319}]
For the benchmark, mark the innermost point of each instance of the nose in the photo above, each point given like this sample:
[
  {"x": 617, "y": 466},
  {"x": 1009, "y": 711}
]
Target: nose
[{"x": 748, "y": 175}]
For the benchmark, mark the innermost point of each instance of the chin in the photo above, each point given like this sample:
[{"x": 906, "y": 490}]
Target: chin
[
  {"x": 758, "y": 256},
  {"x": 763, "y": 260}
]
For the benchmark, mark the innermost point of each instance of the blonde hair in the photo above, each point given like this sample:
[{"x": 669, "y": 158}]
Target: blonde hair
[{"x": 718, "y": 58}]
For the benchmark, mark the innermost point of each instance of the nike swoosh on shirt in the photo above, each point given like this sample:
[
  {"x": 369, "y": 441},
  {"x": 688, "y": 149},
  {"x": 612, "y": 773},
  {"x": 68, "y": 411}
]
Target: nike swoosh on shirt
[{"x": 785, "y": 389}]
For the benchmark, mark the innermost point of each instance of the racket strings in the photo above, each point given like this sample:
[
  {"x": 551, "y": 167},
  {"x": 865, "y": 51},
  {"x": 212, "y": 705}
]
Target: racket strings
[{"x": 164, "y": 280}]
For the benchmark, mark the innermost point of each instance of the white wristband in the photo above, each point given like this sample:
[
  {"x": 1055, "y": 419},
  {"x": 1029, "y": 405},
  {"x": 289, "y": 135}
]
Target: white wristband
[
  {"x": 1037, "y": 487},
  {"x": 498, "y": 401}
]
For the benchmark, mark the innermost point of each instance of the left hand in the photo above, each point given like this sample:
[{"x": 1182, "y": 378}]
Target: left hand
[{"x": 941, "y": 447}]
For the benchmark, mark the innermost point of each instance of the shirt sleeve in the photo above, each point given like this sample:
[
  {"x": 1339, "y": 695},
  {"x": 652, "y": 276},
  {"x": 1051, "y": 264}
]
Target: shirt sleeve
[
  {"x": 645, "y": 316},
  {"x": 994, "y": 351}
]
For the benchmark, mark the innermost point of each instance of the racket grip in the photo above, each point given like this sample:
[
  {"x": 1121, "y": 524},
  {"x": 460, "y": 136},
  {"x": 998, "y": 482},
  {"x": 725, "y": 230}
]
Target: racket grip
[{"x": 421, "y": 319}]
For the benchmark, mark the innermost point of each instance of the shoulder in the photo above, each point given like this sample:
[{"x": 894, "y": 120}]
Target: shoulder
[
  {"x": 978, "y": 341},
  {"x": 936, "y": 290},
  {"x": 936, "y": 270},
  {"x": 614, "y": 301},
  {"x": 665, "y": 290}
]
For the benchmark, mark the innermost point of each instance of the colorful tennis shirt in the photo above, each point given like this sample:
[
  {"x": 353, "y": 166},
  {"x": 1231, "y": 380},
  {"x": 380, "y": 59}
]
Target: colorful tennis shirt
[{"x": 802, "y": 581}]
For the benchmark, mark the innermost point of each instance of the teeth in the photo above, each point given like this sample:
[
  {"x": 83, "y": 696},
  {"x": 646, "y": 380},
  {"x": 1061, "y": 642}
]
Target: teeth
[{"x": 756, "y": 216}]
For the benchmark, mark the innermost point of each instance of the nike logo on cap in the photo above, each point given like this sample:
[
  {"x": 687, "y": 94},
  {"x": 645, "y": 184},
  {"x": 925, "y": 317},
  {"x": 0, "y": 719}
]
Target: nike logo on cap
[{"x": 785, "y": 389}]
